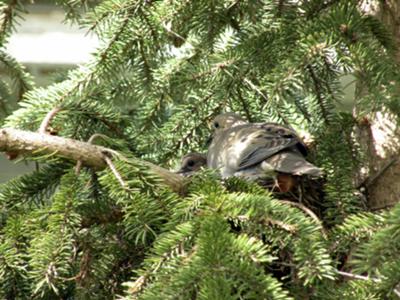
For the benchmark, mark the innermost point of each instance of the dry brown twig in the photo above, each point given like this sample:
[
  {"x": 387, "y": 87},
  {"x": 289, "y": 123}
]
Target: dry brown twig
[{"x": 115, "y": 172}]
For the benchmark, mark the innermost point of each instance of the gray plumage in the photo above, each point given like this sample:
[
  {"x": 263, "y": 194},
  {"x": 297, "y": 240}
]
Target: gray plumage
[{"x": 254, "y": 149}]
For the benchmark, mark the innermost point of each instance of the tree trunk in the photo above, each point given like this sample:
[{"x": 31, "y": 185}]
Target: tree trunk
[{"x": 379, "y": 135}]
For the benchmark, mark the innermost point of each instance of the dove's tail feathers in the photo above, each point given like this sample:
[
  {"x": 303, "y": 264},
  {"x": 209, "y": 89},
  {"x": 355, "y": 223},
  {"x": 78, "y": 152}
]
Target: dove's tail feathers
[
  {"x": 292, "y": 163},
  {"x": 309, "y": 169}
]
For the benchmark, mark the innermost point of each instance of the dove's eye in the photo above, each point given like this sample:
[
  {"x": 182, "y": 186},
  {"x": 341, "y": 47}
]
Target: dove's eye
[
  {"x": 216, "y": 124},
  {"x": 190, "y": 163}
]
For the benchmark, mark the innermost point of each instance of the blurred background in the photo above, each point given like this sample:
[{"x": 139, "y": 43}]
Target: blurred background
[{"x": 47, "y": 47}]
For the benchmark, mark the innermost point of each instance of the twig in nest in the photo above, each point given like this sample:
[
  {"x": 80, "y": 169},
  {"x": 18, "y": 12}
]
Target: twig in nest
[{"x": 46, "y": 121}]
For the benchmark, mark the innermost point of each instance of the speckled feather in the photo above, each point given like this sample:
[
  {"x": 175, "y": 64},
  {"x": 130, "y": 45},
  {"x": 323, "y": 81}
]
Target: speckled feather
[{"x": 238, "y": 146}]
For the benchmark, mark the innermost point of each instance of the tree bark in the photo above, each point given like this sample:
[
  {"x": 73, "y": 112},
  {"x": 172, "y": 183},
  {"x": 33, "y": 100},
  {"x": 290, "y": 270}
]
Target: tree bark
[{"x": 380, "y": 136}]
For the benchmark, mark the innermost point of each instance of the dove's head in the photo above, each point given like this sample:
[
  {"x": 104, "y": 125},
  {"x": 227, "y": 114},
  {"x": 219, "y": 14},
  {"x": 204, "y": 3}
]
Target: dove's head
[
  {"x": 225, "y": 121},
  {"x": 192, "y": 162}
]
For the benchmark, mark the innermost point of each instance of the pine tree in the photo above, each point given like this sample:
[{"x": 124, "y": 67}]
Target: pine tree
[{"x": 119, "y": 228}]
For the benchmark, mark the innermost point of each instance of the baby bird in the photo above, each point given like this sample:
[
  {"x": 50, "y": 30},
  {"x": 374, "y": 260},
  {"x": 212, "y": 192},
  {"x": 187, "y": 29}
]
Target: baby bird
[{"x": 191, "y": 163}]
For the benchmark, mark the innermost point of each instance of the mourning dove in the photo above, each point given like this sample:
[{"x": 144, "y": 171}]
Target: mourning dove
[
  {"x": 191, "y": 163},
  {"x": 256, "y": 150}
]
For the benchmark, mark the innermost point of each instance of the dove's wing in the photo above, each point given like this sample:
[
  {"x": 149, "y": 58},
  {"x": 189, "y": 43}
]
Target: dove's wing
[
  {"x": 283, "y": 131},
  {"x": 263, "y": 147},
  {"x": 291, "y": 162},
  {"x": 263, "y": 141}
]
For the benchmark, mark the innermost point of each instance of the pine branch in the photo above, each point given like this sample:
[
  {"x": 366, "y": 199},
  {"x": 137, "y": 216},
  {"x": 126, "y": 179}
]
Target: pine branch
[
  {"x": 319, "y": 6},
  {"x": 318, "y": 92},
  {"x": 7, "y": 19},
  {"x": 21, "y": 80},
  {"x": 5, "y": 97},
  {"x": 91, "y": 155},
  {"x": 308, "y": 212}
]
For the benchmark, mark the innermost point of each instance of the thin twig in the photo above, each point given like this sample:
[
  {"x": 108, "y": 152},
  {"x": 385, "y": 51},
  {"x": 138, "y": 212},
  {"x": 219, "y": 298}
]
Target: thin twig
[
  {"x": 307, "y": 211},
  {"x": 47, "y": 119},
  {"x": 96, "y": 136},
  {"x": 244, "y": 106},
  {"x": 137, "y": 286},
  {"x": 358, "y": 277},
  {"x": 45, "y": 123},
  {"x": 79, "y": 163},
  {"x": 115, "y": 172},
  {"x": 146, "y": 66},
  {"x": 366, "y": 278},
  {"x": 254, "y": 87},
  {"x": 170, "y": 31},
  {"x": 266, "y": 221},
  {"x": 281, "y": 6},
  {"x": 397, "y": 292},
  {"x": 318, "y": 93},
  {"x": 283, "y": 225},
  {"x": 371, "y": 180}
]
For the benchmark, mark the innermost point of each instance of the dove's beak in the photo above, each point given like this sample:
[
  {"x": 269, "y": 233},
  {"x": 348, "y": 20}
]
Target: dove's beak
[
  {"x": 184, "y": 172},
  {"x": 181, "y": 170}
]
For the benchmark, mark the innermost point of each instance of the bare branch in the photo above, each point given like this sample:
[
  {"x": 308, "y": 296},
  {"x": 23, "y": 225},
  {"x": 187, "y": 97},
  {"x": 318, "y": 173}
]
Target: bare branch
[{"x": 26, "y": 142}]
